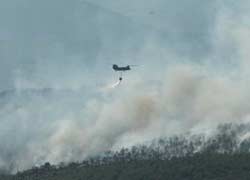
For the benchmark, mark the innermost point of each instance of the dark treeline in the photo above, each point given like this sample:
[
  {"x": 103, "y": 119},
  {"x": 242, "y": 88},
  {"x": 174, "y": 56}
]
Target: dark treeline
[{"x": 223, "y": 156}]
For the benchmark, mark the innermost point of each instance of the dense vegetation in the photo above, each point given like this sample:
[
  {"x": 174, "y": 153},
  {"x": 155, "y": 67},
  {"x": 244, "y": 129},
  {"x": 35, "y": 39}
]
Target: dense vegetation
[{"x": 225, "y": 156}]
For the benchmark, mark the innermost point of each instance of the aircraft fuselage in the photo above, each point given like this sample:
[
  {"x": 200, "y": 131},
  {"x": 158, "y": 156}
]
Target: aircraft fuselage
[{"x": 125, "y": 68}]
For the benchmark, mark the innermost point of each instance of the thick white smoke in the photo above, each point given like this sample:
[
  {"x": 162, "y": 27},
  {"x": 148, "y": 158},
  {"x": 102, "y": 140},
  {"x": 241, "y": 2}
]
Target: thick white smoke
[{"x": 61, "y": 124}]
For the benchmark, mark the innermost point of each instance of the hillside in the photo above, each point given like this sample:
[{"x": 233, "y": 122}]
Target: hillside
[
  {"x": 221, "y": 157},
  {"x": 199, "y": 166}
]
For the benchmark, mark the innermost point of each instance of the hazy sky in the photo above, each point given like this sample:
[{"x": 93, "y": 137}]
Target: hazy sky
[
  {"x": 57, "y": 96},
  {"x": 40, "y": 38}
]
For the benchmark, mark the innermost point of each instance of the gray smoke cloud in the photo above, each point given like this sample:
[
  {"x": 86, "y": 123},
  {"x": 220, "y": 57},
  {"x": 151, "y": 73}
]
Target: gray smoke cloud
[{"x": 56, "y": 104}]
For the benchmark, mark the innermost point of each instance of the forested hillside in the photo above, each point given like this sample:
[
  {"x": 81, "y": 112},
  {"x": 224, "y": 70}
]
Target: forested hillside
[{"x": 224, "y": 156}]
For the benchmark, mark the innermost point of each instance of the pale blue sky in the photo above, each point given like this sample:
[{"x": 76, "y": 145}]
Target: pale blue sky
[{"x": 40, "y": 38}]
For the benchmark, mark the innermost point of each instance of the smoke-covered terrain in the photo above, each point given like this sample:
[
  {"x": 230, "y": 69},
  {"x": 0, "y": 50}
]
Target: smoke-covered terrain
[
  {"x": 225, "y": 155},
  {"x": 58, "y": 100}
]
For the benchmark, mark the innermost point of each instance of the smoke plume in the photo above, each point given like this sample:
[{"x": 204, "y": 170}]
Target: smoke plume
[{"x": 53, "y": 106}]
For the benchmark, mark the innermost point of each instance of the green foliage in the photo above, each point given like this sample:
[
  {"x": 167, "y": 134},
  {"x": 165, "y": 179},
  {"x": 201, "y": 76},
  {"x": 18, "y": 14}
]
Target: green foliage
[
  {"x": 199, "y": 166},
  {"x": 223, "y": 156}
]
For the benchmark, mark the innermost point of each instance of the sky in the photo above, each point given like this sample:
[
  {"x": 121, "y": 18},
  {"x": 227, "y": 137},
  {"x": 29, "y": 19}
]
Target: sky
[{"x": 58, "y": 98}]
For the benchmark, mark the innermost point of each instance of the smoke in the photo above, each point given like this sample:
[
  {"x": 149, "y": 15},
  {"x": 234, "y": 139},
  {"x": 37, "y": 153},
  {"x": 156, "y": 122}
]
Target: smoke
[
  {"x": 57, "y": 111},
  {"x": 58, "y": 126}
]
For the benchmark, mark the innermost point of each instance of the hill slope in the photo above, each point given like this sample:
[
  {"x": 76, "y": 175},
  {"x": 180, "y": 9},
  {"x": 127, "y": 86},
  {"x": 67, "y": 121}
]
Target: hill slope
[
  {"x": 221, "y": 157},
  {"x": 197, "y": 167}
]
